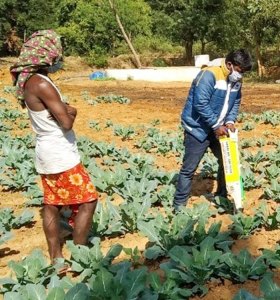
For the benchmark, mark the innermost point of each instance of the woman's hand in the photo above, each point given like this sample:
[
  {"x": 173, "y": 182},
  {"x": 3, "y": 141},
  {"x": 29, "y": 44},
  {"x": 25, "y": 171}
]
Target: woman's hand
[{"x": 71, "y": 110}]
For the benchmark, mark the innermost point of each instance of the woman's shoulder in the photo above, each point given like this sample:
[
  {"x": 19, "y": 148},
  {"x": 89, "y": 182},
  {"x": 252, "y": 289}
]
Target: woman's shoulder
[{"x": 38, "y": 81}]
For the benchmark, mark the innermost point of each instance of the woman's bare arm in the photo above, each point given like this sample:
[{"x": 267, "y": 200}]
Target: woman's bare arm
[{"x": 40, "y": 94}]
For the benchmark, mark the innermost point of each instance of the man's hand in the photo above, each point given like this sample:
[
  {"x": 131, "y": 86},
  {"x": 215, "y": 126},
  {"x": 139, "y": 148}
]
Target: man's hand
[
  {"x": 221, "y": 131},
  {"x": 231, "y": 127}
]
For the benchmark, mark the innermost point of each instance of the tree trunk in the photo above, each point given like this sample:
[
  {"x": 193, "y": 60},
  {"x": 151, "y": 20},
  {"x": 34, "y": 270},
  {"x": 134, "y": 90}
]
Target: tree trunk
[
  {"x": 261, "y": 67},
  {"x": 136, "y": 57},
  {"x": 203, "y": 45},
  {"x": 189, "y": 53},
  {"x": 258, "y": 41}
]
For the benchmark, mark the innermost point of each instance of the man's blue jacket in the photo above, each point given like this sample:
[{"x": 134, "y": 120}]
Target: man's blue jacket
[{"x": 212, "y": 102}]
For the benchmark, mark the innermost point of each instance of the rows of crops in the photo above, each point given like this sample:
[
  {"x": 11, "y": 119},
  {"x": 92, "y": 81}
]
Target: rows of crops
[{"x": 189, "y": 248}]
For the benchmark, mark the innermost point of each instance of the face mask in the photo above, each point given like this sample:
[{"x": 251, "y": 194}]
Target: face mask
[
  {"x": 234, "y": 76},
  {"x": 55, "y": 67}
]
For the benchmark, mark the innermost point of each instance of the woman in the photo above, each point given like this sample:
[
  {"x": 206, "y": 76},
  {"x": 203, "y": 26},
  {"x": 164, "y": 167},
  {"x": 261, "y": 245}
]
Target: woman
[{"x": 65, "y": 181}]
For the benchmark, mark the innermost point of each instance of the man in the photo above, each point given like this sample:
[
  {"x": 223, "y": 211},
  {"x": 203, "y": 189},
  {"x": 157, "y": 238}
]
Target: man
[
  {"x": 210, "y": 111},
  {"x": 65, "y": 181}
]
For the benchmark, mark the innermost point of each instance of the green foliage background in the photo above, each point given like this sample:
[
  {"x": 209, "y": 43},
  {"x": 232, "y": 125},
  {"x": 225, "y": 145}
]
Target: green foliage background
[{"x": 184, "y": 27}]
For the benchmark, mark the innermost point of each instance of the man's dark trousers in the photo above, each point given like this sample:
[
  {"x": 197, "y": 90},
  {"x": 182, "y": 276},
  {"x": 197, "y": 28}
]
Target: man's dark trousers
[{"x": 194, "y": 151}]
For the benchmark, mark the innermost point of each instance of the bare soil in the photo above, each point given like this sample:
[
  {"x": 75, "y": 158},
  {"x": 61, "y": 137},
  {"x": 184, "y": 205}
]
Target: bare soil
[{"x": 149, "y": 101}]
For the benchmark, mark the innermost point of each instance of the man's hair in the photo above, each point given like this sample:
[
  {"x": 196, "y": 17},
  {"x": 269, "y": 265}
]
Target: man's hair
[{"x": 240, "y": 58}]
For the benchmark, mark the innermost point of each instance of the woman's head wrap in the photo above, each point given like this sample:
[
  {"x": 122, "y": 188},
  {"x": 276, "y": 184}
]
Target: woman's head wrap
[{"x": 41, "y": 49}]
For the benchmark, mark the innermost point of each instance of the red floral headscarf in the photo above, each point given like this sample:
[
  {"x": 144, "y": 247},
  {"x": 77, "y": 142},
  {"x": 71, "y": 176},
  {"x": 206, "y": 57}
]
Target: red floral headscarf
[{"x": 41, "y": 49}]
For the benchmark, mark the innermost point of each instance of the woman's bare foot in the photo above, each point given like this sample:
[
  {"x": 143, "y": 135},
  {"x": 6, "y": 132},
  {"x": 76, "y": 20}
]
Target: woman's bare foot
[{"x": 61, "y": 266}]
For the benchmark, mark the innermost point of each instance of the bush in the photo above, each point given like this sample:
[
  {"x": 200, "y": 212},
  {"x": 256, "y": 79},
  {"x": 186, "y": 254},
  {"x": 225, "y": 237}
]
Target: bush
[
  {"x": 145, "y": 44},
  {"x": 159, "y": 62},
  {"x": 155, "y": 44},
  {"x": 98, "y": 60}
]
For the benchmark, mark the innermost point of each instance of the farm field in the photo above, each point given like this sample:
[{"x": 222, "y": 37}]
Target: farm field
[{"x": 136, "y": 187}]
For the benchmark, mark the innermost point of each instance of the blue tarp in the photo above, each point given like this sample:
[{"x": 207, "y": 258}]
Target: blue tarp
[{"x": 97, "y": 75}]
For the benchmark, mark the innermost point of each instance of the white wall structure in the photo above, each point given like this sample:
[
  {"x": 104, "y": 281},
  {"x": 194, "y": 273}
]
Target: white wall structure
[
  {"x": 157, "y": 74},
  {"x": 200, "y": 60}
]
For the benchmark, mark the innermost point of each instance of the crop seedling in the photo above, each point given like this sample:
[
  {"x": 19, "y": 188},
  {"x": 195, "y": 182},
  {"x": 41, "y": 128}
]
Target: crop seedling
[
  {"x": 95, "y": 125},
  {"x": 248, "y": 126},
  {"x": 273, "y": 191},
  {"x": 111, "y": 98},
  {"x": 271, "y": 117},
  {"x": 126, "y": 133},
  {"x": 242, "y": 266},
  {"x": 244, "y": 225},
  {"x": 269, "y": 290},
  {"x": 196, "y": 266},
  {"x": 9, "y": 89}
]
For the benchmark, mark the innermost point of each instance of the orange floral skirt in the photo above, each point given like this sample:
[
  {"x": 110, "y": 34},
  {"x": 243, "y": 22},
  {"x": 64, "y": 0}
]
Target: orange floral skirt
[{"x": 68, "y": 188}]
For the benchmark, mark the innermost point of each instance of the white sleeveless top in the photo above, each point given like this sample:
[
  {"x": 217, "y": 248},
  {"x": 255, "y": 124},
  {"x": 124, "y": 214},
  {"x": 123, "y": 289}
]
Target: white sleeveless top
[{"x": 56, "y": 149}]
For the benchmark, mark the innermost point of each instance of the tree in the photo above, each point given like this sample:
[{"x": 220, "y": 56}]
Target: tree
[
  {"x": 191, "y": 20},
  {"x": 263, "y": 24},
  {"x": 19, "y": 18},
  {"x": 91, "y": 26},
  {"x": 127, "y": 39}
]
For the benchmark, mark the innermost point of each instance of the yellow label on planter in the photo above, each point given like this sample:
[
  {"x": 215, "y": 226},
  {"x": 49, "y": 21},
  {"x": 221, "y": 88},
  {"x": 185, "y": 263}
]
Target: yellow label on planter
[{"x": 230, "y": 153}]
